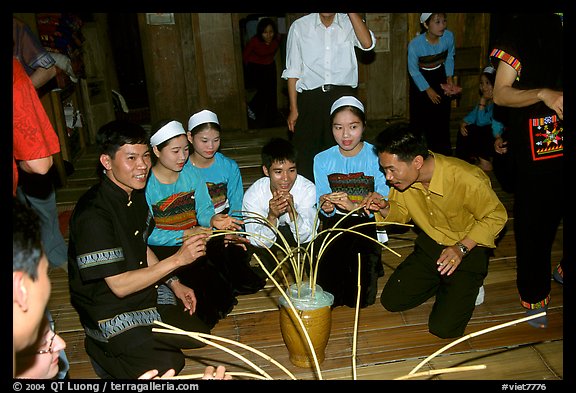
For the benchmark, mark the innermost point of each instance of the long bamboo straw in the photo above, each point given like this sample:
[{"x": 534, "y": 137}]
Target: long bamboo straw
[
  {"x": 202, "y": 336},
  {"x": 442, "y": 371},
  {"x": 354, "y": 342},
  {"x": 490, "y": 329}
]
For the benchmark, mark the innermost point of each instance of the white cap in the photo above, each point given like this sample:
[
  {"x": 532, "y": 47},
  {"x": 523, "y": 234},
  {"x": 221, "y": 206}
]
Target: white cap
[
  {"x": 424, "y": 17},
  {"x": 169, "y": 130},
  {"x": 346, "y": 100},
  {"x": 489, "y": 70},
  {"x": 202, "y": 117}
]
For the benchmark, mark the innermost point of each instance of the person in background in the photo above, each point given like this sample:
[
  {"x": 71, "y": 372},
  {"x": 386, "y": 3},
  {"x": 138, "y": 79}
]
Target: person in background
[
  {"x": 321, "y": 66},
  {"x": 431, "y": 69},
  {"x": 225, "y": 185},
  {"x": 37, "y": 61},
  {"x": 259, "y": 59},
  {"x": 479, "y": 128},
  {"x": 530, "y": 85},
  {"x": 115, "y": 278},
  {"x": 344, "y": 175},
  {"x": 180, "y": 204},
  {"x": 458, "y": 216},
  {"x": 37, "y": 189},
  {"x": 285, "y": 198}
]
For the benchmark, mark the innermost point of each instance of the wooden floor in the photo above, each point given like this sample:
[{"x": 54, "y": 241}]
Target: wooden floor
[{"x": 388, "y": 345}]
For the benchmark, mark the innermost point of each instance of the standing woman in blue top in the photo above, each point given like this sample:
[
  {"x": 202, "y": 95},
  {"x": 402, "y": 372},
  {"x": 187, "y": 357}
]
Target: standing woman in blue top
[
  {"x": 181, "y": 206},
  {"x": 224, "y": 181},
  {"x": 430, "y": 65},
  {"x": 344, "y": 175}
]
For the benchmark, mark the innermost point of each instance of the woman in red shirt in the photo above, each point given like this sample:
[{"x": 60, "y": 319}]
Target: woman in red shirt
[
  {"x": 258, "y": 57},
  {"x": 35, "y": 140}
]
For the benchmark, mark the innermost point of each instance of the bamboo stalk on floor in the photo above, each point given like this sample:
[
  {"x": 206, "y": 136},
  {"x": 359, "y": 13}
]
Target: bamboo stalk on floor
[
  {"x": 441, "y": 371},
  {"x": 203, "y": 338},
  {"x": 357, "y": 312},
  {"x": 487, "y": 330}
]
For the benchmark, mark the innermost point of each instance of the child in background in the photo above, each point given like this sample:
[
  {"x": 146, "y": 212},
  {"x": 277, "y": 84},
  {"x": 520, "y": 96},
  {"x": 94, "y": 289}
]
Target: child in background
[
  {"x": 475, "y": 141},
  {"x": 224, "y": 181},
  {"x": 344, "y": 175}
]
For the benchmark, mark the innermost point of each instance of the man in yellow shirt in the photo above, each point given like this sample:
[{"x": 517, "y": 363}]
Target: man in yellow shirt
[{"x": 458, "y": 216}]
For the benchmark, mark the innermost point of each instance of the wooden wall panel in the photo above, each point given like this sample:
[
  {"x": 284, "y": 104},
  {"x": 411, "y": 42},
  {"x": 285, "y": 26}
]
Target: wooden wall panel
[
  {"x": 101, "y": 76},
  {"x": 194, "y": 85},
  {"x": 222, "y": 66},
  {"x": 192, "y": 65},
  {"x": 384, "y": 79},
  {"x": 164, "y": 68}
]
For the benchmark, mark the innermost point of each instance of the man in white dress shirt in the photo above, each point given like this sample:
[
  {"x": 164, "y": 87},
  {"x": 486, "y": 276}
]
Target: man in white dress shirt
[
  {"x": 321, "y": 66},
  {"x": 285, "y": 198}
]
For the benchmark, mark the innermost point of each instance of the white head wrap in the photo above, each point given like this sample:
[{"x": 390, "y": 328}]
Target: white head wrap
[
  {"x": 423, "y": 17},
  {"x": 346, "y": 100},
  {"x": 166, "y": 132},
  {"x": 489, "y": 70},
  {"x": 202, "y": 117}
]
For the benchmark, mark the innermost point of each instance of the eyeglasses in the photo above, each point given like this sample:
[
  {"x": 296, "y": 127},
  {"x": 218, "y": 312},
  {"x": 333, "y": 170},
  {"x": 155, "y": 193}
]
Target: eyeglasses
[{"x": 53, "y": 330}]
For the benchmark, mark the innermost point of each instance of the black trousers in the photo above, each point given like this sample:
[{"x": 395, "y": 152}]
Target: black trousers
[
  {"x": 478, "y": 144},
  {"x": 536, "y": 222},
  {"x": 145, "y": 350},
  {"x": 264, "y": 103},
  {"x": 214, "y": 294},
  {"x": 432, "y": 120},
  {"x": 417, "y": 279},
  {"x": 338, "y": 266}
]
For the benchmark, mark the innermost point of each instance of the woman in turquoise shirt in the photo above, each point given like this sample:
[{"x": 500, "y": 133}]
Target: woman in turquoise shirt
[
  {"x": 224, "y": 182},
  {"x": 180, "y": 204}
]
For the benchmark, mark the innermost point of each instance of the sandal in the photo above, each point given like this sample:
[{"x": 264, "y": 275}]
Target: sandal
[{"x": 540, "y": 322}]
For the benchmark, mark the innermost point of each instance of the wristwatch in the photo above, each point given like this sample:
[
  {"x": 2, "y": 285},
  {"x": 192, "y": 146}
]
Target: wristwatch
[
  {"x": 171, "y": 280},
  {"x": 463, "y": 249}
]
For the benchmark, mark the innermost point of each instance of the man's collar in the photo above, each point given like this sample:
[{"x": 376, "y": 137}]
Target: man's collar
[{"x": 337, "y": 21}]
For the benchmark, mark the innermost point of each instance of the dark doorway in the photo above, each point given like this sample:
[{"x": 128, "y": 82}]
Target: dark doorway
[{"x": 127, "y": 51}]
